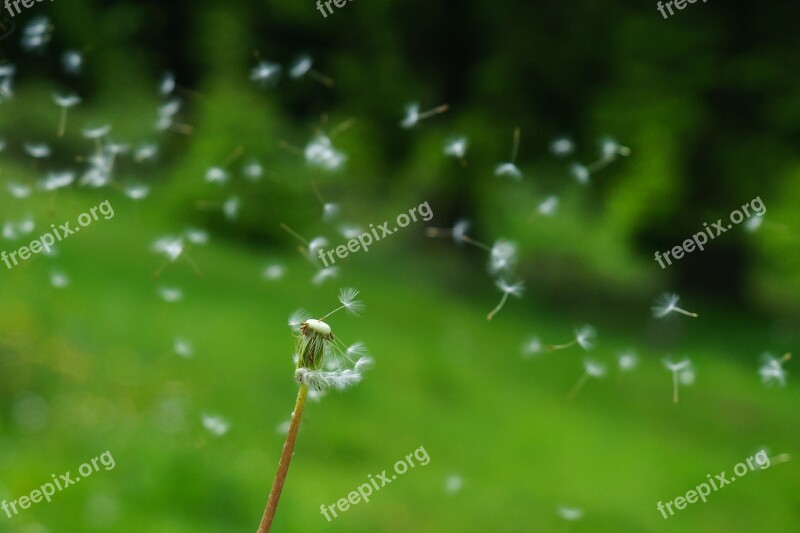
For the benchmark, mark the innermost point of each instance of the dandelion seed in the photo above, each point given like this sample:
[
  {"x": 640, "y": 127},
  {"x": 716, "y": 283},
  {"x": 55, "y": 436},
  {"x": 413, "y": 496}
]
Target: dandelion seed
[
  {"x": 316, "y": 244},
  {"x": 677, "y": 369},
  {"x": 548, "y": 207},
  {"x": 136, "y": 192},
  {"x": 96, "y": 133},
  {"x": 231, "y": 207},
  {"x": 609, "y": 150},
  {"x": 216, "y": 425},
  {"x": 37, "y": 151},
  {"x": 580, "y": 173},
  {"x": 570, "y": 514},
  {"x": 304, "y": 65},
  {"x": 65, "y": 102},
  {"x": 515, "y": 289},
  {"x": 531, "y": 347},
  {"x": 772, "y": 371},
  {"x": 350, "y": 232},
  {"x": 170, "y": 294},
  {"x": 18, "y": 191},
  {"x": 413, "y": 115},
  {"x": 145, "y": 152},
  {"x": 72, "y": 62},
  {"x": 456, "y": 148},
  {"x": 666, "y": 304},
  {"x": 325, "y": 274},
  {"x": 458, "y": 233},
  {"x": 753, "y": 224},
  {"x": 562, "y": 147},
  {"x": 320, "y": 153},
  {"x": 274, "y": 272},
  {"x": 171, "y": 247},
  {"x": 57, "y": 180},
  {"x": 183, "y": 347},
  {"x": 265, "y": 73},
  {"x": 37, "y": 33},
  {"x": 627, "y": 361},
  {"x": 59, "y": 280},
  {"x": 283, "y": 427},
  {"x": 592, "y": 369},
  {"x": 510, "y": 168},
  {"x": 502, "y": 257},
  {"x": 216, "y": 175},
  {"x": 253, "y": 171},
  {"x": 347, "y": 297},
  {"x": 167, "y": 85},
  {"x": 196, "y": 236},
  {"x": 453, "y": 484},
  {"x": 584, "y": 337}
]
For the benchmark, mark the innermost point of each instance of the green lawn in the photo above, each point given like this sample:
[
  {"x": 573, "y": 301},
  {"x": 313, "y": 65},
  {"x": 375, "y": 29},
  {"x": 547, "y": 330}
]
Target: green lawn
[{"x": 100, "y": 354}]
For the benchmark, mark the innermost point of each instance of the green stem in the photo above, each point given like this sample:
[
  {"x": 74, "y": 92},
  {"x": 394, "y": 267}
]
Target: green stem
[{"x": 283, "y": 465}]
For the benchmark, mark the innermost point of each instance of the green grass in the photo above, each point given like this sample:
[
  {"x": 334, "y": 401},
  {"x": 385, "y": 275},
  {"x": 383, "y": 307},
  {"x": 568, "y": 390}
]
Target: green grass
[{"x": 100, "y": 354}]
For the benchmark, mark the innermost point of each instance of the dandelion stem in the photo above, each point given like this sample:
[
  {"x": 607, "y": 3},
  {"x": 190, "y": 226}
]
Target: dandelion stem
[
  {"x": 685, "y": 312},
  {"x": 434, "y": 111},
  {"x": 294, "y": 234},
  {"x": 283, "y": 465},
  {"x": 578, "y": 386},
  {"x": 321, "y": 78},
  {"x": 499, "y": 306},
  {"x": 473, "y": 242},
  {"x": 515, "y": 146}
]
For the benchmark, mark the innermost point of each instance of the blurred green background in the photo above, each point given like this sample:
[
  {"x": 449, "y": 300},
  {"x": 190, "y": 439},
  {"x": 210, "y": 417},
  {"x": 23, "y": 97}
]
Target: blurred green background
[{"x": 706, "y": 101}]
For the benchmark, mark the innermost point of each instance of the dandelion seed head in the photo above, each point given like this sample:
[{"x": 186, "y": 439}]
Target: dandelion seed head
[
  {"x": 411, "y": 117},
  {"x": 18, "y": 191},
  {"x": 514, "y": 289},
  {"x": 96, "y": 133},
  {"x": 57, "y": 180},
  {"x": 231, "y": 207},
  {"x": 182, "y": 347},
  {"x": 37, "y": 151},
  {"x": 453, "y": 484},
  {"x": 67, "y": 100},
  {"x": 772, "y": 371},
  {"x": 301, "y": 66},
  {"x": 167, "y": 84},
  {"x": 627, "y": 361},
  {"x": 72, "y": 62},
  {"x": 324, "y": 274},
  {"x": 548, "y": 207},
  {"x": 274, "y": 272},
  {"x": 253, "y": 171},
  {"x": 315, "y": 245},
  {"x": 266, "y": 73},
  {"x": 570, "y": 514},
  {"x": 216, "y": 175},
  {"x": 509, "y": 170},
  {"x": 532, "y": 346},
  {"x": 321, "y": 153},
  {"x": 170, "y": 294},
  {"x": 171, "y": 247},
  {"x": 594, "y": 368},
  {"x": 665, "y": 304},
  {"x": 460, "y": 230},
  {"x": 503, "y": 256},
  {"x": 677, "y": 367},
  {"x": 753, "y": 224},
  {"x": 59, "y": 280}
]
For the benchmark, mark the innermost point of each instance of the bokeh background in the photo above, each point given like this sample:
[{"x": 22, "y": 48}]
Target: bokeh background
[{"x": 707, "y": 101}]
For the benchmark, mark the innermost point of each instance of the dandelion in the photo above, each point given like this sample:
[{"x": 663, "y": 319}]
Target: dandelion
[
  {"x": 680, "y": 371},
  {"x": 531, "y": 347},
  {"x": 216, "y": 425},
  {"x": 666, "y": 304},
  {"x": 349, "y": 231},
  {"x": 772, "y": 371},
  {"x": 562, "y": 147},
  {"x": 321, "y": 362},
  {"x": 324, "y": 274},
  {"x": 304, "y": 65},
  {"x": 584, "y": 337},
  {"x": 57, "y": 180},
  {"x": 65, "y": 102},
  {"x": 413, "y": 115},
  {"x": 515, "y": 289},
  {"x": 510, "y": 169},
  {"x": 592, "y": 369},
  {"x": 548, "y": 207},
  {"x": 172, "y": 248},
  {"x": 72, "y": 61}
]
